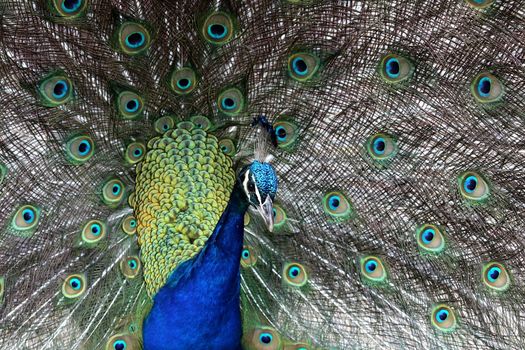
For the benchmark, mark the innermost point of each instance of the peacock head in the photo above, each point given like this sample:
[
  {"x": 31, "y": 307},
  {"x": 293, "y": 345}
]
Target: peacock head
[{"x": 259, "y": 182}]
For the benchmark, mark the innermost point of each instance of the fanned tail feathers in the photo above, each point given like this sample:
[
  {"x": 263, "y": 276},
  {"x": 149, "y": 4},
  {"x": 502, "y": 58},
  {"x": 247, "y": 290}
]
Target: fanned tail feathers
[{"x": 400, "y": 159}]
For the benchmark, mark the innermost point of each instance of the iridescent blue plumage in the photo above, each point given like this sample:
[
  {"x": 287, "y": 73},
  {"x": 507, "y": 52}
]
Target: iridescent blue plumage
[{"x": 199, "y": 307}]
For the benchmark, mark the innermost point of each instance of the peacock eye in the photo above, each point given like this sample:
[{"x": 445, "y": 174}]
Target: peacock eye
[
  {"x": 227, "y": 147},
  {"x": 430, "y": 239},
  {"x": 164, "y": 124},
  {"x": 129, "y": 225},
  {"x": 134, "y": 38},
  {"x": 480, "y": 4},
  {"x": 302, "y": 66},
  {"x": 279, "y": 216},
  {"x": 265, "y": 338},
  {"x": 125, "y": 341},
  {"x": 373, "y": 269},
  {"x": 381, "y": 146},
  {"x": 112, "y": 192},
  {"x": 93, "y": 231},
  {"x": 129, "y": 104},
  {"x": 28, "y": 215},
  {"x": 496, "y": 277},
  {"x": 286, "y": 134},
  {"x": 487, "y": 88},
  {"x": 201, "y": 122},
  {"x": 280, "y": 132},
  {"x": 130, "y": 266},
  {"x": 218, "y": 28},
  {"x": 336, "y": 205},
  {"x": 135, "y": 152},
  {"x": 132, "y": 105},
  {"x": 75, "y": 283},
  {"x": 74, "y": 286},
  {"x": 26, "y": 218},
  {"x": 473, "y": 186},
  {"x": 80, "y": 149},
  {"x": 55, "y": 90},
  {"x": 443, "y": 318},
  {"x": 183, "y": 80},
  {"x": 119, "y": 345},
  {"x": 231, "y": 102},
  {"x": 395, "y": 69},
  {"x": 251, "y": 187},
  {"x": 392, "y": 67},
  {"x": 69, "y": 8},
  {"x": 248, "y": 256},
  {"x": 60, "y": 89},
  {"x": 295, "y": 274}
]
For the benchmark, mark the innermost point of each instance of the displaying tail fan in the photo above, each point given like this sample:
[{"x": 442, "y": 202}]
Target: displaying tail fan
[{"x": 128, "y": 155}]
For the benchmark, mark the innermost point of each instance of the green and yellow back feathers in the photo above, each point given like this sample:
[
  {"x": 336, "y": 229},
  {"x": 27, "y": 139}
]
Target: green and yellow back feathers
[{"x": 182, "y": 187}]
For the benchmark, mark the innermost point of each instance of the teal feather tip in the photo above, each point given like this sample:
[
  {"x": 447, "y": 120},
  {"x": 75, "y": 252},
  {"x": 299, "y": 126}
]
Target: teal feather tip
[
  {"x": 130, "y": 266},
  {"x": 133, "y": 38},
  {"x": 130, "y": 105},
  {"x": 395, "y": 69},
  {"x": 248, "y": 256},
  {"x": 69, "y": 9},
  {"x": 231, "y": 102},
  {"x": 26, "y": 218},
  {"x": 430, "y": 239},
  {"x": 93, "y": 231},
  {"x": 183, "y": 80},
  {"x": 80, "y": 149},
  {"x": 263, "y": 338},
  {"x": 202, "y": 122},
  {"x": 381, "y": 147},
  {"x": 123, "y": 341},
  {"x": 295, "y": 274},
  {"x": 129, "y": 225},
  {"x": 337, "y": 206},
  {"x": 74, "y": 286},
  {"x": 279, "y": 217},
  {"x": 473, "y": 187},
  {"x": 286, "y": 133},
  {"x": 218, "y": 28},
  {"x": 113, "y": 192},
  {"x": 373, "y": 269},
  {"x": 227, "y": 146},
  {"x": 135, "y": 152},
  {"x": 443, "y": 318},
  {"x": 486, "y": 88},
  {"x": 496, "y": 277},
  {"x": 55, "y": 90},
  {"x": 303, "y": 66},
  {"x": 164, "y": 124}
]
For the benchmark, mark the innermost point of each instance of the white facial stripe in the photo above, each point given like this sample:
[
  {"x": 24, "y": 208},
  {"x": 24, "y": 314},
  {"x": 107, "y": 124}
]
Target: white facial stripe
[
  {"x": 258, "y": 194},
  {"x": 245, "y": 183}
]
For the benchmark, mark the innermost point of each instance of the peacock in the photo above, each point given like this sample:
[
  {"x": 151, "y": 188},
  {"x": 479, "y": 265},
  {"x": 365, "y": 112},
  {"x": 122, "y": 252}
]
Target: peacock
[{"x": 262, "y": 175}]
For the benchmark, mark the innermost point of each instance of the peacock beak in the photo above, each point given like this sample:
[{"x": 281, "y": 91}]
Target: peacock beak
[{"x": 266, "y": 211}]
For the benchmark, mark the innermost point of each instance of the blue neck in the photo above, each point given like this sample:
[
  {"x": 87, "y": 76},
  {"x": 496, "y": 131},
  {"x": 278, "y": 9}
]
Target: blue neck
[{"x": 199, "y": 307}]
